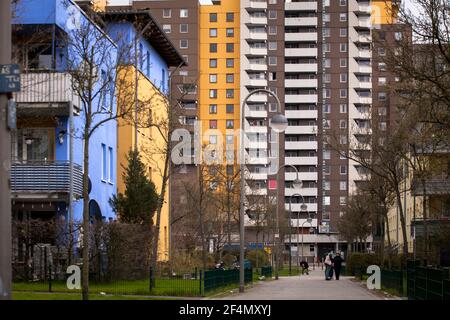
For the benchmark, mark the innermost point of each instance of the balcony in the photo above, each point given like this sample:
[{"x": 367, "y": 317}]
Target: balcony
[
  {"x": 306, "y": 192},
  {"x": 257, "y": 36},
  {"x": 300, "y": 145},
  {"x": 366, "y": 54},
  {"x": 300, "y": 83},
  {"x": 364, "y": 100},
  {"x": 257, "y": 67},
  {"x": 301, "y": 160},
  {"x": 303, "y": 21},
  {"x": 258, "y": 51},
  {"x": 364, "y": 39},
  {"x": 255, "y": 113},
  {"x": 48, "y": 92},
  {"x": 365, "y": 9},
  {"x": 46, "y": 179},
  {"x": 300, "y": 52},
  {"x": 363, "y": 85},
  {"x": 290, "y": 176},
  {"x": 300, "y": 67},
  {"x": 301, "y": 114},
  {"x": 301, "y": 129},
  {"x": 365, "y": 69},
  {"x": 300, "y": 36},
  {"x": 436, "y": 185},
  {"x": 306, "y": 6},
  {"x": 303, "y": 222},
  {"x": 258, "y": 20},
  {"x": 300, "y": 98},
  {"x": 255, "y": 4},
  {"x": 257, "y": 176},
  {"x": 258, "y": 98},
  {"x": 257, "y": 83}
]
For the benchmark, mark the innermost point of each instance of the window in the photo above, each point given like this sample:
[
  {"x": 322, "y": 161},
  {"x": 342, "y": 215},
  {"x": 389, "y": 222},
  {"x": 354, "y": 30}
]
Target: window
[
  {"x": 342, "y": 2},
  {"x": 381, "y": 52},
  {"x": 343, "y": 93},
  {"x": 167, "y": 13},
  {"x": 230, "y": 16},
  {"x": 230, "y": 32},
  {"x": 184, "y": 44},
  {"x": 213, "y": 139},
  {"x": 327, "y": 63},
  {"x": 343, "y": 124},
  {"x": 230, "y": 108},
  {"x": 381, "y": 81},
  {"x": 272, "y": 76},
  {"x": 326, "y": 170},
  {"x": 398, "y": 36},
  {"x": 326, "y": 154},
  {"x": 343, "y": 77},
  {"x": 185, "y": 57},
  {"x": 327, "y": 77},
  {"x": 272, "y": 1},
  {"x": 213, "y": 93},
  {"x": 326, "y": 185},
  {"x": 342, "y": 201},
  {"x": 343, "y": 32},
  {"x": 167, "y": 28},
  {"x": 213, "y": 108},
  {"x": 104, "y": 163},
  {"x": 184, "y": 13},
  {"x": 381, "y": 66},
  {"x": 230, "y": 93},
  {"x": 343, "y": 108},
  {"x": 213, "y": 124},
  {"x": 272, "y": 30},
  {"x": 230, "y": 78},
  {"x": 213, "y": 17},
  {"x": 230, "y": 47},
  {"x": 230, "y": 63},
  {"x": 326, "y": 108},
  {"x": 343, "y": 139},
  {"x": 184, "y": 28},
  {"x": 213, "y": 32},
  {"x": 382, "y": 111},
  {"x": 343, "y": 63},
  {"x": 326, "y": 32},
  {"x": 213, "y": 47},
  {"x": 230, "y": 124},
  {"x": 213, "y": 78},
  {"x": 382, "y": 96},
  {"x": 326, "y": 47},
  {"x": 272, "y": 14},
  {"x": 111, "y": 165},
  {"x": 326, "y": 17},
  {"x": 229, "y": 139},
  {"x": 272, "y": 45},
  {"x": 383, "y": 126},
  {"x": 272, "y": 61},
  {"x": 343, "y": 170},
  {"x": 343, "y": 17},
  {"x": 343, "y": 47},
  {"x": 213, "y": 63}
]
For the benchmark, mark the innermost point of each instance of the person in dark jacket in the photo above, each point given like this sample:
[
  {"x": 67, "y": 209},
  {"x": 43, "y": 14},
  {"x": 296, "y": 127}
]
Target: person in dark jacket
[
  {"x": 337, "y": 264},
  {"x": 305, "y": 267}
]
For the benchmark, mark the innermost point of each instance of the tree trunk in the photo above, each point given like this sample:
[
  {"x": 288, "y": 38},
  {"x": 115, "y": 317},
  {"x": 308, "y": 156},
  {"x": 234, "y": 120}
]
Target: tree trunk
[
  {"x": 402, "y": 220},
  {"x": 165, "y": 178},
  {"x": 86, "y": 220},
  {"x": 425, "y": 224}
]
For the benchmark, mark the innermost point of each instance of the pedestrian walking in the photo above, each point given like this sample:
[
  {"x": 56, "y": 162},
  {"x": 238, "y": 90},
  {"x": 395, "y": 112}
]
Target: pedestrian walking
[
  {"x": 328, "y": 267},
  {"x": 337, "y": 264}
]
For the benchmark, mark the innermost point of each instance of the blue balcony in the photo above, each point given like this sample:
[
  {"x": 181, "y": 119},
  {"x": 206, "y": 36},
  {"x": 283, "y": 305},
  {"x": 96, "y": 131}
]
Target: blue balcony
[{"x": 45, "y": 179}]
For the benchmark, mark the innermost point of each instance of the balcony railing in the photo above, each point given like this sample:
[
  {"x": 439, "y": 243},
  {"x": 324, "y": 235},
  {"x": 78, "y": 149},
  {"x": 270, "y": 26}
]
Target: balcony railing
[
  {"x": 47, "y": 87},
  {"x": 436, "y": 185},
  {"x": 45, "y": 177}
]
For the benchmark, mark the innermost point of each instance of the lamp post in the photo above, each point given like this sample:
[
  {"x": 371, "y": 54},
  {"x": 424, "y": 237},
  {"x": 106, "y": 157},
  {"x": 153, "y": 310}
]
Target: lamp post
[
  {"x": 297, "y": 184},
  {"x": 278, "y": 123},
  {"x": 303, "y": 208},
  {"x": 309, "y": 220}
]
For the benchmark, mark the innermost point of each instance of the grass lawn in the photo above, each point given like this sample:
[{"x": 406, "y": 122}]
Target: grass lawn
[
  {"x": 163, "y": 287},
  {"x": 17, "y": 295}
]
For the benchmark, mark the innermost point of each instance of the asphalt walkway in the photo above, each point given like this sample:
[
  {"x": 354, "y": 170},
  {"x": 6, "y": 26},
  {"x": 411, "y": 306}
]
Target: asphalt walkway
[{"x": 307, "y": 287}]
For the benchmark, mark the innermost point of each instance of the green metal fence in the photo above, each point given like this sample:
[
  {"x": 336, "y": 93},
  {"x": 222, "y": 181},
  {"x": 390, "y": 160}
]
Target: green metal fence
[
  {"x": 426, "y": 283},
  {"x": 266, "y": 272},
  {"x": 394, "y": 279},
  {"x": 215, "y": 279}
]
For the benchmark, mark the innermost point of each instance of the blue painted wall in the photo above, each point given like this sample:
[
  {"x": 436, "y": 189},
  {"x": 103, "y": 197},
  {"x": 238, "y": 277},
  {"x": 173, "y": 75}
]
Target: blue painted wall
[
  {"x": 155, "y": 68},
  {"x": 69, "y": 17}
]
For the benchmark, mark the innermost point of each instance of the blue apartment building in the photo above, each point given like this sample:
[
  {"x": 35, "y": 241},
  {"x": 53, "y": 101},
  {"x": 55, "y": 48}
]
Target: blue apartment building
[{"x": 44, "y": 37}]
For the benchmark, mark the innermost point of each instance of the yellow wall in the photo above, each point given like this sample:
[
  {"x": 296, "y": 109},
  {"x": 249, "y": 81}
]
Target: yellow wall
[
  {"x": 383, "y": 12},
  {"x": 150, "y": 142},
  {"x": 204, "y": 101}
]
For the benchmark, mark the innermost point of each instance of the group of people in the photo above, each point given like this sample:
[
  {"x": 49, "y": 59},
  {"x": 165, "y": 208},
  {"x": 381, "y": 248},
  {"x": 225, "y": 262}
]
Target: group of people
[{"x": 333, "y": 265}]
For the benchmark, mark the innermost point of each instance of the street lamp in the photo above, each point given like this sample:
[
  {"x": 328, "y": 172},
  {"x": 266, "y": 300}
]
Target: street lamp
[
  {"x": 303, "y": 208},
  {"x": 279, "y": 124},
  {"x": 297, "y": 184},
  {"x": 309, "y": 220}
]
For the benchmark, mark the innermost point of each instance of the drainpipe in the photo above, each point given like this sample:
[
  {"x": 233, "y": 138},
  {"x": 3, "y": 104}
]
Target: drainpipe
[{"x": 71, "y": 147}]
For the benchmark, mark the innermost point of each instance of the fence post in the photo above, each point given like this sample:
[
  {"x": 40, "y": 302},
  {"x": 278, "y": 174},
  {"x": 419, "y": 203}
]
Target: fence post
[
  {"x": 200, "y": 282},
  {"x": 49, "y": 277},
  {"x": 151, "y": 284}
]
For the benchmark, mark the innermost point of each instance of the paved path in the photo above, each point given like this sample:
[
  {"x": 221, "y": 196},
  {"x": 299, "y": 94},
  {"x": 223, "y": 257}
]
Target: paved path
[{"x": 307, "y": 287}]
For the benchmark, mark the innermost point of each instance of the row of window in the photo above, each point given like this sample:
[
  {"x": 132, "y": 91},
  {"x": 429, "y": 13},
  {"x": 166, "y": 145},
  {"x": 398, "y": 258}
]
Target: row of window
[
  {"x": 229, "y": 124},
  {"x": 229, "y": 78},
  {"x": 167, "y": 13},
  {"x": 213, "y": 93},
  {"x": 213, "y": 47},
  {"x": 213, "y": 108},
  {"x": 229, "y": 32},
  {"x": 229, "y": 17}
]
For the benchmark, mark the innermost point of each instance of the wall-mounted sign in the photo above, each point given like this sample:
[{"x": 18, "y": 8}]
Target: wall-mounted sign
[{"x": 9, "y": 78}]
